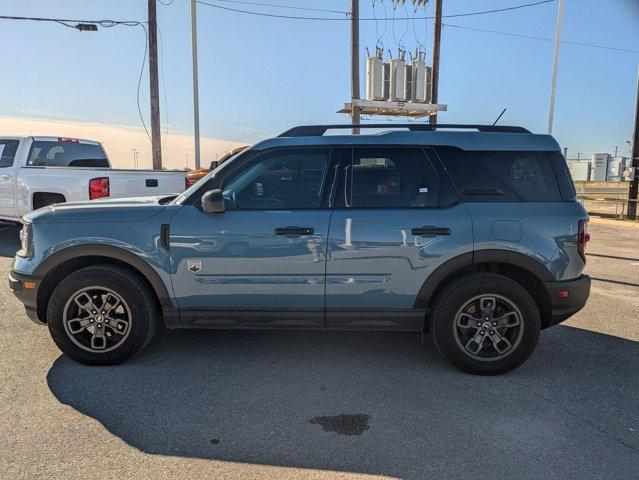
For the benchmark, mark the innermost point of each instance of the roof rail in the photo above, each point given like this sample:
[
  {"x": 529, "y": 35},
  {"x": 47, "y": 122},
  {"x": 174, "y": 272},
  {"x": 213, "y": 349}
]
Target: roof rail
[{"x": 319, "y": 130}]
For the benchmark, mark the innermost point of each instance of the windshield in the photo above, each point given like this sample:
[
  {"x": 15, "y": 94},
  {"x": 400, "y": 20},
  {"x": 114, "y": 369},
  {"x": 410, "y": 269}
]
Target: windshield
[{"x": 179, "y": 200}]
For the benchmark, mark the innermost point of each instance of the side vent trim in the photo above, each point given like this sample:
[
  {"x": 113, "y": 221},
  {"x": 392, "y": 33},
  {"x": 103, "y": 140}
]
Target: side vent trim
[{"x": 164, "y": 236}]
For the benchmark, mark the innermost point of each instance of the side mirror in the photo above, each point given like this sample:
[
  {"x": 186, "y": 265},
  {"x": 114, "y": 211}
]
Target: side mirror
[
  {"x": 214, "y": 164},
  {"x": 213, "y": 202}
]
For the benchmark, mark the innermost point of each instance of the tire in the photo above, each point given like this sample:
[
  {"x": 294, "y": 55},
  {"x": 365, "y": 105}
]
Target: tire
[
  {"x": 100, "y": 342},
  {"x": 494, "y": 300}
]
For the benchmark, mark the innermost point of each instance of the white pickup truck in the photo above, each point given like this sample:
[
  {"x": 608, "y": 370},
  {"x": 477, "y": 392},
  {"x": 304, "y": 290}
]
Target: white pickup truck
[{"x": 40, "y": 171}]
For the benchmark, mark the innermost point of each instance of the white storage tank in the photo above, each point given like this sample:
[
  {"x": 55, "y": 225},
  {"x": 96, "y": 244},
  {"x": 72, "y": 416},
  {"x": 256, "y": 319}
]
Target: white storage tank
[
  {"x": 579, "y": 170},
  {"x": 599, "y": 167},
  {"x": 616, "y": 166}
]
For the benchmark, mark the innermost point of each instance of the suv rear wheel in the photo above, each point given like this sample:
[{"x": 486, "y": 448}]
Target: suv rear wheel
[
  {"x": 485, "y": 323},
  {"x": 101, "y": 315}
]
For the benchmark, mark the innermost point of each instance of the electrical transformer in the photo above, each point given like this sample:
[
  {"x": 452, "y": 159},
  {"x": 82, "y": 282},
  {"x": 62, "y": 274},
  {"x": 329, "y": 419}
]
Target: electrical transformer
[
  {"x": 375, "y": 76},
  {"x": 418, "y": 80},
  {"x": 397, "y": 78}
]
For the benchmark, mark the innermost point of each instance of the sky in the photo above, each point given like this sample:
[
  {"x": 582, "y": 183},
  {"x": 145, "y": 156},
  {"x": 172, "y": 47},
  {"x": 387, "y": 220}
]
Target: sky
[{"x": 259, "y": 76}]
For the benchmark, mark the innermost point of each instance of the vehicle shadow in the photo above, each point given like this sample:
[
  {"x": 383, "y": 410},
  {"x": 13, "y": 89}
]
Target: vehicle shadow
[
  {"x": 370, "y": 403},
  {"x": 9, "y": 239}
]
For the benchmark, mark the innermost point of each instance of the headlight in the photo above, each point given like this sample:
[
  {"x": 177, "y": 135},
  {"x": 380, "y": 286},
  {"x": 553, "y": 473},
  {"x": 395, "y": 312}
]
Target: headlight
[{"x": 26, "y": 241}]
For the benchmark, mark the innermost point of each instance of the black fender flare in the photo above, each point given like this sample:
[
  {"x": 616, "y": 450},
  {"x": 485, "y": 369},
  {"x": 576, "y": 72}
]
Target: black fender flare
[
  {"x": 507, "y": 257},
  {"x": 109, "y": 251}
]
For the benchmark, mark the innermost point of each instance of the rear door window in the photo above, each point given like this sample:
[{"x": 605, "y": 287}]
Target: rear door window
[
  {"x": 401, "y": 177},
  {"x": 8, "y": 150},
  {"x": 66, "y": 154},
  {"x": 501, "y": 176}
]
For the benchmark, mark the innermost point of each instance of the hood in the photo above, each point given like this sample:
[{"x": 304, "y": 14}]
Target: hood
[{"x": 123, "y": 209}]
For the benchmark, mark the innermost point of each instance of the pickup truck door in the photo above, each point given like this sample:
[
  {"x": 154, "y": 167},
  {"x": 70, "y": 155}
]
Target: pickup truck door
[
  {"x": 8, "y": 169},
  {"x": 262, "y": 261}
]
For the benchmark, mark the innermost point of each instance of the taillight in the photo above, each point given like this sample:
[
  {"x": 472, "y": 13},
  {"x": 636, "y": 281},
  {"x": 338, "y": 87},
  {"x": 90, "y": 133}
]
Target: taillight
[
  {"x": 583, "y": 237},
  {"x": 98, "y": 188}
]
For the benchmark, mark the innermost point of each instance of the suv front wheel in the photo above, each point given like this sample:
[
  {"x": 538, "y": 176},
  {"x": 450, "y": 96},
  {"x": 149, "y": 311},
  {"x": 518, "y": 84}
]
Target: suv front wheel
[
  {"x": 485, "y": 323},
  {"x": 101, "y": 315}
]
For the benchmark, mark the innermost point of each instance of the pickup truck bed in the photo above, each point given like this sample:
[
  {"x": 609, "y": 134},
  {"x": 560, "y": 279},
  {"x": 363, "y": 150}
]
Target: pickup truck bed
[{"x": 40, "y": 171}]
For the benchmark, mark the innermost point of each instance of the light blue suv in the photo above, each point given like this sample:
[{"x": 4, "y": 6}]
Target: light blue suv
[{"x": 469, "y": 232}]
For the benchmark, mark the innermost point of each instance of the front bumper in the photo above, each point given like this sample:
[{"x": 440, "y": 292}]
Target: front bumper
[
  {"x": 25, "y": 288},
  {"x": 567, "y": 297}
]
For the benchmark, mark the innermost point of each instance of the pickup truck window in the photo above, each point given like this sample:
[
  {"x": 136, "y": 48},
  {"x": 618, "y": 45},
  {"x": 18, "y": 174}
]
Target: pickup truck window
[
  {"x": 8, "y": 150},
  {"x": 66, "y": 154}
]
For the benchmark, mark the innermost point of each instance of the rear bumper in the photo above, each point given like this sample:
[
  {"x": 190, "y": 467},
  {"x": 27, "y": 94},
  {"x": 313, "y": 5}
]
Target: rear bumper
[
  {"x": 25, "y": 288},
  {"x": 562, "y": 306}
]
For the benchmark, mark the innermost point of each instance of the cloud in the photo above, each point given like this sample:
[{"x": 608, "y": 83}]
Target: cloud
[{"x": 120, "y": 140}]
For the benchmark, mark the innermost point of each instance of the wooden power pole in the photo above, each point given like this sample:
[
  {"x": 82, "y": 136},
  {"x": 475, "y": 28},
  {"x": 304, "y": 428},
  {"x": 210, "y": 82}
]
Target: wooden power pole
[
  {"x": 355, "y": 115},
  {"x": 156, "y": 142},
  {"x": 437, "y": 35},
  {"x": 634, "y": 156}
]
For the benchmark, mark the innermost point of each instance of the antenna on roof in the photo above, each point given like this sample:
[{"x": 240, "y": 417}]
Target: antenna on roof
[{"x": 502, "y": 112}]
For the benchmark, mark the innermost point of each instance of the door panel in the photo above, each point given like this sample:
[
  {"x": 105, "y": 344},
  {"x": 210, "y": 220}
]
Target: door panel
[
  {"x": 388, "y": 236},
  {"x": 8, "y": 149},
  {"x": 238, "y": 264},
  {"x": 262, "y": 262},
  {"x": 376, "y": 266}
]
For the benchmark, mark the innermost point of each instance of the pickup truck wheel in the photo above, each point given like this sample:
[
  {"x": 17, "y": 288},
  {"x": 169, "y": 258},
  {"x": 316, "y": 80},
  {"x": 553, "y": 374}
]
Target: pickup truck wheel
[
  {"x": 101, "y": 315},
  {"x": 485, "y": 323}
]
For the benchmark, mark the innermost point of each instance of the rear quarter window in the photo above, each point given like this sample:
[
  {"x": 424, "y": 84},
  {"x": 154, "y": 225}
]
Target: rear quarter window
[
  {"x": 501, "y": 176},
  {"x": 66, "y": 154},
  {"x": 8, "y": 150}
]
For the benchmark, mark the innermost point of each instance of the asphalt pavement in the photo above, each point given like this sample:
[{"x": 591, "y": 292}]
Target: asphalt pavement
[{"x": 243, "y": 405}]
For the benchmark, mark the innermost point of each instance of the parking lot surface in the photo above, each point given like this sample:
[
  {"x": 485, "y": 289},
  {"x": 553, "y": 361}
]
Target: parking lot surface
[{"x": 331, "y": 405}]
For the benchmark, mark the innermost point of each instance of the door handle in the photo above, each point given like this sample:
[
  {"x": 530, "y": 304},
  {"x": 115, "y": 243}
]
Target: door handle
[
  {"x": 430, "y": 230},
  {"x": 294, "y": 231},
  {"x": 4, "y": 177}
]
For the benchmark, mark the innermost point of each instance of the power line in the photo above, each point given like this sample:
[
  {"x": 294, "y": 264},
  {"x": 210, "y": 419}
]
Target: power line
[
  {"x": 533, "y": 37},
  {"x": 290, "y": 7},
  {"x": 65, "y": 21},
  {"x": 372, "y": 19}
]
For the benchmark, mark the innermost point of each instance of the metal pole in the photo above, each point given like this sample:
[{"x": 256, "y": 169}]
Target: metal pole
[
  {"x": 437, "y": 35},
  {"x": 196, "y": 93},
  {"x": 355, "y": 115},
  {"x": 634, "y": 183},
  {"x": 555, "y": 65},
  {"x": 156, "y": 140}
]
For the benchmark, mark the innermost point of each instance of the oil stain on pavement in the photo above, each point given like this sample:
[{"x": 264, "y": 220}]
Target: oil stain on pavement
[{"x": 343, "y": 424}]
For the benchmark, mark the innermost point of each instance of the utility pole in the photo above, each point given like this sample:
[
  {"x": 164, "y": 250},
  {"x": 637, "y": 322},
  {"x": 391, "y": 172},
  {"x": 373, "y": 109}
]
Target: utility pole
[
  {"x": 355, "y": 115},
  {"x": 555, "y": 64},
  {"x": 196, "y": 94},
  {"x": 156, "y": 143},
  {"x": 634, "y": 183},
  {"x": 437, "y": 35}
]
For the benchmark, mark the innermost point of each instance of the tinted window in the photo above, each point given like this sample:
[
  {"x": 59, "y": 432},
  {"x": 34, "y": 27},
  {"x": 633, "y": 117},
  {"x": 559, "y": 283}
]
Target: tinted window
[
  {"x": 8, "y": 150},
  {"x": 281, "y": 180},
  {"x": 66, "y": 154},
  {"x": 488, "y": 176},
  {"x": 566, "y": 185},
  {"x": 392, "y": 178}
]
